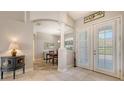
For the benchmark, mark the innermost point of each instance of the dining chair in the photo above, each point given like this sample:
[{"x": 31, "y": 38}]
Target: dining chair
[
  {"x": 56, "y": 56},
  {"x": 49, "y": 56}
]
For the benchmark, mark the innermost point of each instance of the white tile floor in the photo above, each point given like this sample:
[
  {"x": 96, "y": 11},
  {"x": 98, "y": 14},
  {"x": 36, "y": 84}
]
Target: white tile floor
[{"x": 48, "y": 72}]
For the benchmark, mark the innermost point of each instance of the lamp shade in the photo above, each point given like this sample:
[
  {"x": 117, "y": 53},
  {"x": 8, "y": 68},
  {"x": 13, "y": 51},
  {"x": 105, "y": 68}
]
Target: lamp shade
[{"x": 14, "y": 45}]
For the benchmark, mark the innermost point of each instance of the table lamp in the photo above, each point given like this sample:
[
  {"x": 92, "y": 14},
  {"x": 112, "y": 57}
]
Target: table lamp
[{"x": 14, "y": 47}]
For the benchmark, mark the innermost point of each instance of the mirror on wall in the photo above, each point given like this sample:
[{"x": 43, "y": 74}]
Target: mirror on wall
[
  {"x": 69, "y": 43},
  {"x": 48, "y": 45},
  {"x": 69, "y": 39}
]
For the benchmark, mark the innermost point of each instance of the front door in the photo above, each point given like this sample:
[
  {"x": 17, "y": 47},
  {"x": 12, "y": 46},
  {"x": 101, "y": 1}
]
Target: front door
[
  {"x": 99, "y": 47},
  {"x": 106, "y": 47}
]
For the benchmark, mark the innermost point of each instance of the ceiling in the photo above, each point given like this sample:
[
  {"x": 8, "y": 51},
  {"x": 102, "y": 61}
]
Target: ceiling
[
  {"x": 50, "y": 27},
  {"x": 78, "y": 14},
  {"x": 54, "y": 14}
]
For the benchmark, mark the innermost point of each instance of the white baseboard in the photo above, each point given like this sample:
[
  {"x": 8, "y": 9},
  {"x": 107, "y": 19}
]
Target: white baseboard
[{"x": 70, "y": 66}]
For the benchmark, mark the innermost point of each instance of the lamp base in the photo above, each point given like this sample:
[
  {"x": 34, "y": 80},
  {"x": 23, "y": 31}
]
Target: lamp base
[{"x": 13, "y": 52}]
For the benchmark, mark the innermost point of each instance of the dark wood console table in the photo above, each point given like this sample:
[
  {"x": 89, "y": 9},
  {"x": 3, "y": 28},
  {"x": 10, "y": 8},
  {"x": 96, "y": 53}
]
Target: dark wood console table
[{"x": 9, "y": 63}]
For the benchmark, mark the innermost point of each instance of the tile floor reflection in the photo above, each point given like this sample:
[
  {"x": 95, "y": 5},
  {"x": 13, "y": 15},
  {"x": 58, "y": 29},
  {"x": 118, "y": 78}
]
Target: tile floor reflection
[{"x": 48, "y": 72}]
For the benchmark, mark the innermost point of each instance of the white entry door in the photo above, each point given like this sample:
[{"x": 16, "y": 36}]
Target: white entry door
[
  {"x": 106, "y": 47},
  {"x": 99, "y": 47}
]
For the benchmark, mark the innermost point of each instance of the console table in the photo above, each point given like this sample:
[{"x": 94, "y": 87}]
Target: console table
[{"x": 10, "y": 63}]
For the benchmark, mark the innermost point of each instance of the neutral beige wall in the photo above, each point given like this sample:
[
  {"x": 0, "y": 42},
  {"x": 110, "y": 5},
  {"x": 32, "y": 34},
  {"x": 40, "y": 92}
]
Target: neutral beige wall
[
  {"x": 13, "y": 15},
  {"x": 70, "y": 21},
  {"x": 44, "y": 15},
  {"x": 10, "y": 29}
]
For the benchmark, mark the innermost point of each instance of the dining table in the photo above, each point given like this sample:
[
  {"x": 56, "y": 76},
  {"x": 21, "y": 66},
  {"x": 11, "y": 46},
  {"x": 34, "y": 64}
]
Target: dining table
[{"x": 52, "y": 56}]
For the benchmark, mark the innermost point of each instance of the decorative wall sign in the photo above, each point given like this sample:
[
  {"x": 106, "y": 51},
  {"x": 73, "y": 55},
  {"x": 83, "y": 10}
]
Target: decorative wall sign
[{"x": 94, "y": 16}]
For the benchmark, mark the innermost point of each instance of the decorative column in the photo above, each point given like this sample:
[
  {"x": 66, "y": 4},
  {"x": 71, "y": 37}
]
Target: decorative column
[
  {"x": 62, "y": 62},
  {"x": 62, "y": 26},
  {"x": 25, "y": 17}
]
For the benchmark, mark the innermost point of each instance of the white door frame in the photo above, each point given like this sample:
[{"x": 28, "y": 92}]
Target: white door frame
[
  {"x": 118, "y": 44},
  {"x": 96, "y": 50}
]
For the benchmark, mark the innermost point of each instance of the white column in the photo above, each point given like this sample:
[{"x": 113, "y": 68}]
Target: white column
[
  {"x": 65, "y": 57},
  {"x": 62, "y": 20},
  {"x": 62, "y": 60},
  {"x": 25, "y": 17},
  {"x": 62, "y": 26}
]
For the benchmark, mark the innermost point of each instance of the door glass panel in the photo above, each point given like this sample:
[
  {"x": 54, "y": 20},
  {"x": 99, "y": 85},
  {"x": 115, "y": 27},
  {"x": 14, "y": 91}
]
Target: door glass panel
[
  {"x": 83, "y": 44},
  {"x": 101, "y": 61},
  {"x": 108, "y": 34},
  {"x": 83, "y": 48},
  {"x": 105, "y": 48},
  {"x": 101, "y": 35},
  {"x": 108, "y": 62},
  {"x": 108, "y": 49}
]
